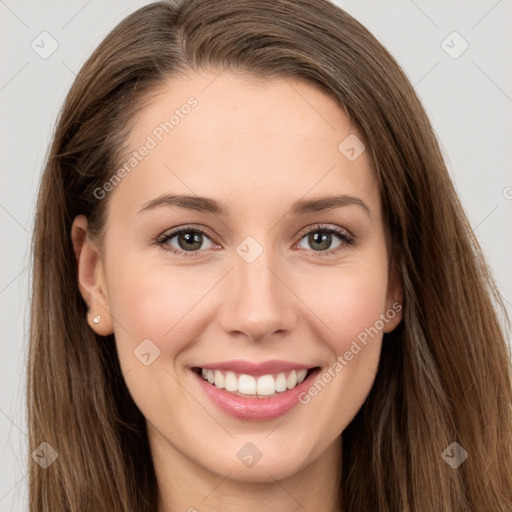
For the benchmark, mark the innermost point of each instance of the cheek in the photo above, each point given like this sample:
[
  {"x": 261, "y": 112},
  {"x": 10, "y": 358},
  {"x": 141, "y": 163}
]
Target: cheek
[
  {"x": 155, "y": 320},
  {"x": 347, "y": 301},
  {"x": 349, "y": 304},
  {"x": 358, "y": 308},
  {"x": 152, "y": 299},
  {"x": 149, "y": 302}
]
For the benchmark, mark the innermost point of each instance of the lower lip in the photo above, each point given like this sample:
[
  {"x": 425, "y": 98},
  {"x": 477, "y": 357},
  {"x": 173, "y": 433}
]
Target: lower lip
[{"x": 255, "y": 408}]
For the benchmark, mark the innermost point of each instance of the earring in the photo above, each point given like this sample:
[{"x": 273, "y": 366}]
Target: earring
[{"x": 96, "y": 319}]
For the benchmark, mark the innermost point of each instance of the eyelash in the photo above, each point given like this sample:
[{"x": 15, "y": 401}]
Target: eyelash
[{"x": 347, "y": 239}]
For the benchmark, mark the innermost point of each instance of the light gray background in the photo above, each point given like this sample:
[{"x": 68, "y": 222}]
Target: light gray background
[{"x": 469, "y": 100}]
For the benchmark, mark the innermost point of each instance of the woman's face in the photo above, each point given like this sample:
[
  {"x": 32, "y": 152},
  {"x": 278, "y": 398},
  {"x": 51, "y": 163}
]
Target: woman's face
[{"x": 263, "y": 293}]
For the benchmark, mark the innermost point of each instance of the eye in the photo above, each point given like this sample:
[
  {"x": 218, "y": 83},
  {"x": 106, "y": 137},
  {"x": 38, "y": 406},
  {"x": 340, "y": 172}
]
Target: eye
[
  {"x": 188, "y": 239},
  {"x": 320, "y": 238}
]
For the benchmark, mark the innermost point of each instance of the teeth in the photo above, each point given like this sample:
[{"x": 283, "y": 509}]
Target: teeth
[
  {"x": 265, "y": 385},
  {"x": 247, "y": 384},
  {"x": 291, "y": 381},
  {"x": 219, "y": 379},
  {"x": 281, "y": 383},
  {"x": 231, "y": 382}
]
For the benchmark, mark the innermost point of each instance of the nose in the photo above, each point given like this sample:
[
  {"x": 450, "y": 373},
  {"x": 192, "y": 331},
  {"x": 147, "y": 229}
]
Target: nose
[{"x": 259, "y": 302}]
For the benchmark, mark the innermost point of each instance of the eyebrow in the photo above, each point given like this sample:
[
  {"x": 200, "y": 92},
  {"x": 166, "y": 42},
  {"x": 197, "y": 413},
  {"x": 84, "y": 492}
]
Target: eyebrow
[{"x": 207, "y": 205}]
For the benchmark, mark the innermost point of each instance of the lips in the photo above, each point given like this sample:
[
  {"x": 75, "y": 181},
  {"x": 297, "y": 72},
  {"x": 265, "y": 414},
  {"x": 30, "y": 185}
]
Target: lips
[{"x": 249, "y": 390}]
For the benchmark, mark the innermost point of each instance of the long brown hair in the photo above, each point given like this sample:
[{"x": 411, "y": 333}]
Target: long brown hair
[{"x": 444, "y": 374}]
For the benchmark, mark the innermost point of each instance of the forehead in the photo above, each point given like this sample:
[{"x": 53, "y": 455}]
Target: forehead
[{"x": 225, "y": 135}]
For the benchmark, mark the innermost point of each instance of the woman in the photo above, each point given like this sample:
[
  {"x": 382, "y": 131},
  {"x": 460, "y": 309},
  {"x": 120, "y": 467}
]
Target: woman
[{"x": 254, "y": 284}]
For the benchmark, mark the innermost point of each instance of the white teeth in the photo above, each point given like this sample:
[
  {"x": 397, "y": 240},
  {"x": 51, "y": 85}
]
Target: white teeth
[
  {"x": 247, "y": 384},
  {"x": 219, "y": 379},
  {"x": 231, "y": 382},
  {"x": 264, "y": 385},
  {"x": 281, "y": 383},
  {"x": 291, "y": 381}
]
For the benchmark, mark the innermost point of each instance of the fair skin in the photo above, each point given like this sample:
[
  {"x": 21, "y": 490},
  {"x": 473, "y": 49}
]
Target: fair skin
[{"x": 257, "y": 148}]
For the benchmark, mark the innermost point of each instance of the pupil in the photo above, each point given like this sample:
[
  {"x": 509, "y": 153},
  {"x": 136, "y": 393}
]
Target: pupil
[
  {"x": 190, "y": 239},
  {"x": 324, "y": 239}
]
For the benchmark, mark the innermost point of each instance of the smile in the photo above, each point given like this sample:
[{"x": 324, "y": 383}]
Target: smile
[
  {"x": 251, "y": 386},
  {"x": 255, "y": 391}
]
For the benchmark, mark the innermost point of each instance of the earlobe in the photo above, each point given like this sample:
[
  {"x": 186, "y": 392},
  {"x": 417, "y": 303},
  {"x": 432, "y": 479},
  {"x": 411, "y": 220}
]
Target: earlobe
[{"x": 91, "y": 278}]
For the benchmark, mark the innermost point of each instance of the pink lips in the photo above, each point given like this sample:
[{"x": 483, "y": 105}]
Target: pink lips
[{"x": 255, "y": 408}]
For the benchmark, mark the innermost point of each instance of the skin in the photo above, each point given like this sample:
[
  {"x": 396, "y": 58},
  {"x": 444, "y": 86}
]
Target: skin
[{"x": 257, "y": 147}]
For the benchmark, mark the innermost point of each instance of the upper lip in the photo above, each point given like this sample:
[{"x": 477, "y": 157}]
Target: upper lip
[{"x": 254, "y": 368}]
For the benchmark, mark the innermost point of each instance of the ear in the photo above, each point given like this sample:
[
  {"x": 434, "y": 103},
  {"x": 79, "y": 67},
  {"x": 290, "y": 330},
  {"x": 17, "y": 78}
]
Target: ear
[
  {"x": 91, "y": 277},
  {"x": 394, "y": 298}
]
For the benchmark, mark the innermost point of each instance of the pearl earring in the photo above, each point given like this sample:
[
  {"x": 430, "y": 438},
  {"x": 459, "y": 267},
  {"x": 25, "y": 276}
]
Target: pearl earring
[{"x": 96, "y": 319}]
